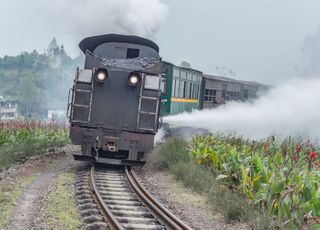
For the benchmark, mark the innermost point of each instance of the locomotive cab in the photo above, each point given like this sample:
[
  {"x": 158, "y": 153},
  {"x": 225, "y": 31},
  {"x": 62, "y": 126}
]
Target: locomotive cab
[{"x": 114, "y": 108}]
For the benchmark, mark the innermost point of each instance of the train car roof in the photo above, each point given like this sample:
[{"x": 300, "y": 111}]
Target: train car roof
[
  {"x": 91, "y": 43},
  {"x": 180, "y": 67},
  {"x": 220, "y": 78},
  {"x": 190, "y": 69},
  {"x": 228, "y": 79}
]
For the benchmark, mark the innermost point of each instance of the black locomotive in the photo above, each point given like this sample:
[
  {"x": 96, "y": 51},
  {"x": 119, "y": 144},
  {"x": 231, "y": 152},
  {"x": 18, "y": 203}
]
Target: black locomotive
[{"x": 114, "y": 107}]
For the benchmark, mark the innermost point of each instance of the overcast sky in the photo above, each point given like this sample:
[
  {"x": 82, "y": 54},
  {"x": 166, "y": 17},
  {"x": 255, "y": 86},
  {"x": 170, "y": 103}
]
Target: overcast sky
[{"x": 260, "y": 40}]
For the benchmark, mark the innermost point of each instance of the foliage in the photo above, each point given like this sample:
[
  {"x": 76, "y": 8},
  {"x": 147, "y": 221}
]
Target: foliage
[
  {"x": 20, "y": 139},
  {"x": 282, "y": 177},
  {"x": 38, "y": 81},
  {"x": 174, "y": 155},
  {"x": 172, "y": 152}
]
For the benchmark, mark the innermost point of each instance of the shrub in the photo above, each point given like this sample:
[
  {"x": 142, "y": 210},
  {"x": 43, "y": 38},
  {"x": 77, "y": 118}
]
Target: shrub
[{"x": 173, "y": 151}]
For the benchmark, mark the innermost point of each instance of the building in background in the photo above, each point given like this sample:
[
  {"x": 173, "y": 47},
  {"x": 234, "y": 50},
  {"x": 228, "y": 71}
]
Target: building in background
[
  {"x": 57, "y": 115},
  {"x": 8, "y": 109}
]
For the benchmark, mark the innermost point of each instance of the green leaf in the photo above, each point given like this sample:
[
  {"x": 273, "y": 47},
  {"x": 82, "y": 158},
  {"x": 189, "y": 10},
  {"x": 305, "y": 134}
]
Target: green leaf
[
  {"x": 277, "y": 185},
  {"x": 243, "y": 178},
  {"x": 215, "y": 159},
  {"x": 264, "y": 175},
  {"x": 307, "y": 191},
  {"x": 257, "y": 163},
  {"x": 260, "y": 196},
  {"x": 278, "y": 158}
]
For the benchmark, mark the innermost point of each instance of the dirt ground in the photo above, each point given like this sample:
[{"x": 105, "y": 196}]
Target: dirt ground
[
  {"x": 28, "y": 210},
  {"x": 189, "y": 206}
]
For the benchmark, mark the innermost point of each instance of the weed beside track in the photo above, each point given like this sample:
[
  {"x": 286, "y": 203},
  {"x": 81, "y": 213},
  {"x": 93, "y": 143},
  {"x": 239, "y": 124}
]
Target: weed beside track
[{"x": 62, "y": 208}]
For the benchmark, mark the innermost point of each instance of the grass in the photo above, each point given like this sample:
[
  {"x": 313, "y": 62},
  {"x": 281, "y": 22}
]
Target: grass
[
  {"x": 62, "y": 208},
  {"x": 19, "y": 152},
  {"x": 10, "y": 192},
  {"x": 174, "y": 156}
]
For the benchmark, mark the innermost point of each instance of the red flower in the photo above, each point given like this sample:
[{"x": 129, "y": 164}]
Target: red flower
[
  {"x": 298, "y": 148},
  {"x": 295, "y": 158},
  {"x": 313, "y": 155},
  {"x": 309, "y": 152}
]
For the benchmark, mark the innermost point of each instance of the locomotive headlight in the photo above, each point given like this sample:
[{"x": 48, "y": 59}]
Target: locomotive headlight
[
  {"x": 134, "y": 79},
  {"x": 101, "y": 75}
]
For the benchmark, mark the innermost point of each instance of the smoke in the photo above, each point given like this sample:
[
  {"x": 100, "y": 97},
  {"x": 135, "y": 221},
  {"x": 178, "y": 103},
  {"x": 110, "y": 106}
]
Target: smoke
[
  {"x": 311, "y": 55},
  {"x": 159, "y": 137},
  {"x": 81, "y": 18},
  {"x": 291, "y": 109}
]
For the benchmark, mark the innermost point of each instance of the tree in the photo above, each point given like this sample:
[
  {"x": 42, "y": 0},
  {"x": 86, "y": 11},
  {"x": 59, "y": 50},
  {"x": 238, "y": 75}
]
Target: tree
[
  {"x": 62, "y": 51},
  {"x": 185, "y": 64},
  {"x": 30, "y": 98},
  {"x": 38, "y": 81},
  {"x": 53, "y": 48}
]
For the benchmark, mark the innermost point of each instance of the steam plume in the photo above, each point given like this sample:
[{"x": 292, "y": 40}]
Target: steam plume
[
  {"x": 291, "y": 109},
  {"x": 82, "y": 18},
  {"x": 311, "y": 55}
]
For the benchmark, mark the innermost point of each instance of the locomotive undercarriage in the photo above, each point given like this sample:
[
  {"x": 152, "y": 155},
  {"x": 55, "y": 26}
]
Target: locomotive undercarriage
[{"x": 111, "y": 146}]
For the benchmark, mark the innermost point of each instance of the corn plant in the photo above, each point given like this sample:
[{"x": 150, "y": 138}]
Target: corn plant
[
  {"x": 33, "y": 132},
  {"x": 20, "y": 139}
]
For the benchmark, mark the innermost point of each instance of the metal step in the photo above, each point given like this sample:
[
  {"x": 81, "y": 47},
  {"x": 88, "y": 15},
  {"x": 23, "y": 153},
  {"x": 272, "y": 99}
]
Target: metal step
[
  {"x": 149, "y": 98},
  {"x": 146, "y": 129},
  {"x": 149, "y": 113},
  {"x": 84, "y": 106},
  {"x": 83, "y": 90}
]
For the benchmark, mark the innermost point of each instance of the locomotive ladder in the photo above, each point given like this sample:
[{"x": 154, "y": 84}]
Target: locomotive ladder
[
  {"x": 141, "y": 112},
  {"x": 86, "y": 95}
]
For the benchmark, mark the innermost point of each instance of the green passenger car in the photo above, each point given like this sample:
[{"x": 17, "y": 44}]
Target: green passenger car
[{"x": 181, "y": 89}]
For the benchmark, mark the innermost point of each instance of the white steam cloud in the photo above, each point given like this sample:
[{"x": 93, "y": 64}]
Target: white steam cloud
[
  {"x": 311, "y": 55},
  {"x": 159, "y": 137},
  {"x": 81, "y": 18},
  {"x": 288, "y": 110}
]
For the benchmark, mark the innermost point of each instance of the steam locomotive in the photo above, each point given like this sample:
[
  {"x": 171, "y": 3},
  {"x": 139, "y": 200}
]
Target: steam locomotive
[{"x": 114, "y": 103}]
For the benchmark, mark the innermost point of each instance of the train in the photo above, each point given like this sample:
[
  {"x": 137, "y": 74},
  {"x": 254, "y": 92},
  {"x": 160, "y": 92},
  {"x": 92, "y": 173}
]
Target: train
[
  {"x": 186, "y": 89},
  {"x": 115, "y": 100},
  {"x": 118, "y": 99}
]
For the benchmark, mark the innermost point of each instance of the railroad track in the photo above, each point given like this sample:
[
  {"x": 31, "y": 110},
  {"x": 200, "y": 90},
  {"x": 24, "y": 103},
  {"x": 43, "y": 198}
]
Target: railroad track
[{"x": 125, "y": 204}]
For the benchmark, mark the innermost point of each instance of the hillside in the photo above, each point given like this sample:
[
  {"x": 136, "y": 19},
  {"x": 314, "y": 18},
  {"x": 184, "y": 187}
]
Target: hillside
[{"x": 39, "y": 81}]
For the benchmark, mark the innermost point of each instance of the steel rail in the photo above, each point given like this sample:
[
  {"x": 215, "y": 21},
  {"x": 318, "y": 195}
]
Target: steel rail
[
  {"x": 111, "y": 220},
  {"x": 163, "y": 214}
]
